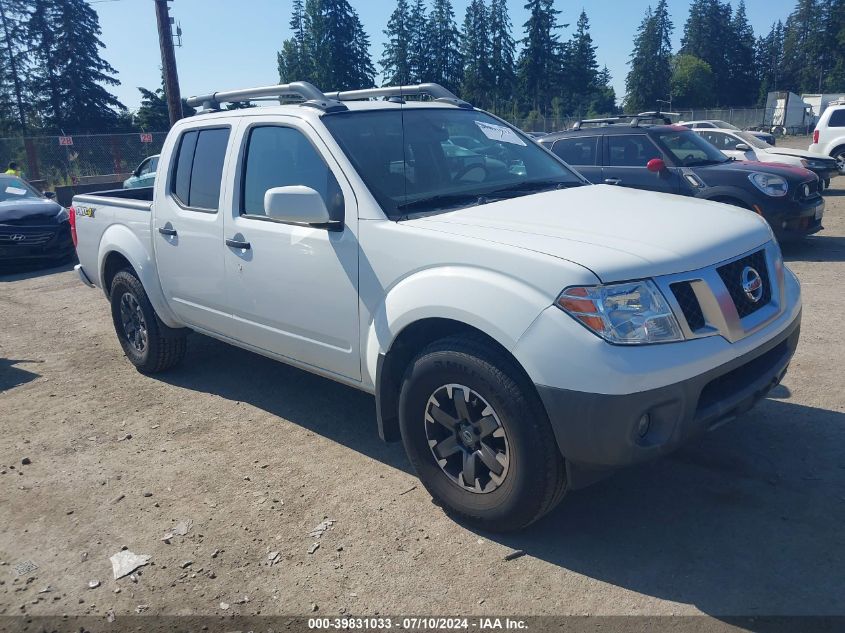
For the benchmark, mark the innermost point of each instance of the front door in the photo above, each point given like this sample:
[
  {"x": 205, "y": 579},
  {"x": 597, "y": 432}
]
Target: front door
[
  {"x": 625, "y": 160},
  {"x": 292, "y": 288},
  {"x": 187, "y": 231}
]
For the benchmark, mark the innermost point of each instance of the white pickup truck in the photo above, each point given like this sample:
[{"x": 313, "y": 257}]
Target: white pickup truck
[{"x": 523, "y": 332}]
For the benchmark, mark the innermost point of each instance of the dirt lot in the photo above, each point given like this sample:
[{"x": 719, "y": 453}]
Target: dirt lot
[{"x": 256, "y": 454}]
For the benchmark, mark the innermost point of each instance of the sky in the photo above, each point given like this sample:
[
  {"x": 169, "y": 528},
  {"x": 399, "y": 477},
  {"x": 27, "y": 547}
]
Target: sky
[{"x": 228, "y": 45}]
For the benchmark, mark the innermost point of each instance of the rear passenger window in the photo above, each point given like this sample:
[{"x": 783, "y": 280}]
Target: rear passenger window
[
  {"x": 281, "y": 157},
  {"x": 630, "y": 150},
  {"x": 837, "y": 118},
  {"x": 199, "y": 168},
  {"x": 578, "y": 151}
]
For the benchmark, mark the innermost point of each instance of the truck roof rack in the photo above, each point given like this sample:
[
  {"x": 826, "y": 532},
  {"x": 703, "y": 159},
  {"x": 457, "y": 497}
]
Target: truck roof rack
[
  {"x": 328, "y": 102},
  {"x": 435, "y": 91}
]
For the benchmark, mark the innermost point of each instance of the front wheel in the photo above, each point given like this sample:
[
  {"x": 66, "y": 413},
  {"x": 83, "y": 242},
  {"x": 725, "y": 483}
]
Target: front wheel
[
  {"x": 142, "y": 336},
  {"x": 478, "y": 436}
]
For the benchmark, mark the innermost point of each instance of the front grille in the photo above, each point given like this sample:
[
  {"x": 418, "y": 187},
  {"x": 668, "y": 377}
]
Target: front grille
[
  {"x": 689, "y": 304},
  {"x": 807, "y": 190},
  {"x": 13, "y": 238},
  {"x": 731, "y": 275}
]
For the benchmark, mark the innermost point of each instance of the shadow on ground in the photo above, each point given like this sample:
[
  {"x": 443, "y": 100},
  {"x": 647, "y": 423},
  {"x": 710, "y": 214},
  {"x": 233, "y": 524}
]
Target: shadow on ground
[
  {"x": 816, "y": 248},
  {"x": 30, "y": 270},
  {"x": 13, "y": 376},
  {"x": 748, "y": 521}
]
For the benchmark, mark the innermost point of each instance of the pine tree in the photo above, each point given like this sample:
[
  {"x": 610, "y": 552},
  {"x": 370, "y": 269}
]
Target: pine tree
[
  {"x": 477, "y": 83},
  {"x": 604, "y": 100},
  {"x": 502, "y": 53},
  {"x": 769, "y": 59},
  {"x": 153, "y": 115},
  {"x": 69, "y": 75},
  {"x": 834, "y": 68},
  {"x": 651, "y": 61},
  {"x": 742, "y": 75},
  {"x": 709, "y": 37},
  {"x": 329, "y": 47},
  {"x": 13, "y": 98},
  {"x": 418, "y": 62},
  {"x": 803, "y": 43},
  {"x": 445, "y": 63},
  {"x": 540, "y": 59},
  {"x": 294, "y": 58},
  {"x": 581, "y": 69},
  {"x": 396, "y": 58}
]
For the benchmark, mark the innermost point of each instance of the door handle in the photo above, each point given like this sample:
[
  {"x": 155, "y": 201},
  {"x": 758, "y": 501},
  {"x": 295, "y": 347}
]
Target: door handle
[
  {"x": 612, "y": 181},
  {"x": 238, "y": 244},
  {"x": 166, "y": 230}
]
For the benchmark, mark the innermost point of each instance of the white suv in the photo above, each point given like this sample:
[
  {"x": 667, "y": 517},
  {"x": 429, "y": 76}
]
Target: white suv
[{"x": 829, "y": 135}]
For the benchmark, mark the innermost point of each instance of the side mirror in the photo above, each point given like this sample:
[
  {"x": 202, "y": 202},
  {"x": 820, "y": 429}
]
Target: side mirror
[
  {"x": 656, "y": 165},
  {"x": 50, "y": 195},
  {"x": 296, "y": 204},
  {"x": 742, "y": 147}
]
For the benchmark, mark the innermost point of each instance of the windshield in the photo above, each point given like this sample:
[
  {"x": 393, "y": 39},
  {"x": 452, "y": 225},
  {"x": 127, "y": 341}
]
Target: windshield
[
  {"x": 752, "y": 140},
  {"x": 689, "y": 149},
  {"x": 419, "y": 160},
  {"x": 724, "y": 125},
  {"x": 16, "y": 189}
]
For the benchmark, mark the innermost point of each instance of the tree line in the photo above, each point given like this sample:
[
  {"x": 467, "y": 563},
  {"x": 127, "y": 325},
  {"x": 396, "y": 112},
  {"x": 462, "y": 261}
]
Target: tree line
[
  {"x": 54, "y": 79},
  {"x": 722, "y": 63}
]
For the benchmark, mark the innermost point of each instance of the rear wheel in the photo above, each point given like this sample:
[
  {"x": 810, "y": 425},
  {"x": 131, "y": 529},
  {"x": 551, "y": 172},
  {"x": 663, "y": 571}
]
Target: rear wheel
[
  {"x": 839, "y": 155},
  {"x": 147, "y": 343},
  {"x": 478, "y": 436}
]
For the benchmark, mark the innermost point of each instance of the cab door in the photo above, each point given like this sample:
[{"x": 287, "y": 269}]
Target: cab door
[
  {"x": 625, "y": 160},
  {"x": 187, "y": 231},
  {"x": 292, "y": 289}
]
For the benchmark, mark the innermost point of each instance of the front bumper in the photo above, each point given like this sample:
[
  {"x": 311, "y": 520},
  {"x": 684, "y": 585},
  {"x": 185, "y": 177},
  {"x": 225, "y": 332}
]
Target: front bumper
[
  {"x": 597, "y": 432},
  {"x": 24, "y": 243},
  {"x": 793, "y": 219}
]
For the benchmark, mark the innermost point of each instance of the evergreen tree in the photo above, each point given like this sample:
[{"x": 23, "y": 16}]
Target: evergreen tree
[
  {"x": 651, "y": 61},
  {"x": 742, "y": 75},
  {"x": 540, "y": 59},
  {"x": 329, "y": 47},
  {"x": 580, "y": 81},
  {"x": 769, "y": 59},
  {"x": 69, "y": 75},
  {"x": 709, "y": 37},
  {"x": 477, "y": 83},
  {"x": 153, "y": 115},
  {"x": 418, "y": 62},
  {"x": 502, "y": 53},
  {"x": 693, "y": 84},
  {"x": 802, "y": 47},
  {"x": 13, "y": 65},
  {"x": 834, "y": 68},
  {"x": 396, "y": 58},
  {"x": 294, "y": 58},
  {"x": 604, "y": 99},
  {"x": 445, "y": 65}
]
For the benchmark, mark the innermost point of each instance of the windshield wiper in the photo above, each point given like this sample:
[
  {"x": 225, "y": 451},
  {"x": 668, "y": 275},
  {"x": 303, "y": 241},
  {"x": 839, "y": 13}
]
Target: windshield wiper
[
  {"x": 444, "y": 200},
  {"x": 534, "y": 186}
]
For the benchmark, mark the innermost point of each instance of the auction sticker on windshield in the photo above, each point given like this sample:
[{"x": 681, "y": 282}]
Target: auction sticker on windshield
[
  {"x": 17, "y": 191},
  {"x": 499, "y": 133}
]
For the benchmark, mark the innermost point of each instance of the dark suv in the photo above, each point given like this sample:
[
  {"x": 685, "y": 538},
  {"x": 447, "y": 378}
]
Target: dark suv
[{"x": 673, "y": 159}]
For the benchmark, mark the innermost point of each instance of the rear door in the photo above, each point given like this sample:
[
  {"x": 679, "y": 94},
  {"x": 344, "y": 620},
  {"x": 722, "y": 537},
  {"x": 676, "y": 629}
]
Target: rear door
[
  {"x": 625, "y": 159},
  {"x": 583, "y": 153},
  {"x": 188, "y": 227},
  {"x": 292, "y": 288}
]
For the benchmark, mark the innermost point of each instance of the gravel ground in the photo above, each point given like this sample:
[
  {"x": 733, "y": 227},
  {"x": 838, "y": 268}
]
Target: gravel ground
[{"x": 256, "y": 455}]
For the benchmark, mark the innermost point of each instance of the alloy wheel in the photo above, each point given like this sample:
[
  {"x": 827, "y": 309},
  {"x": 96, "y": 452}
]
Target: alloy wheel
[
  {"x": 467, "y": 438},
  {"x": 134, "y": 324}
]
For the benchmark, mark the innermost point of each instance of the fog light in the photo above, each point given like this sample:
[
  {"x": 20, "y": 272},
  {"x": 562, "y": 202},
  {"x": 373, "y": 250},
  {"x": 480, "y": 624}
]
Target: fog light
[{"x": 643, "y": 425}]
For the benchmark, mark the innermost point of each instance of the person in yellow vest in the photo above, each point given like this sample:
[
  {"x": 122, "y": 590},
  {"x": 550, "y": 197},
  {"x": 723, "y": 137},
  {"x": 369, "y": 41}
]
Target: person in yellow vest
[{"x": 13, "y": 170}]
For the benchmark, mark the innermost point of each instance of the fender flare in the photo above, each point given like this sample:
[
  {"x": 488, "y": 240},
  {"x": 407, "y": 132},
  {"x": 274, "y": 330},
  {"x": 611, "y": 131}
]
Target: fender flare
[
  {"x": 729, "y": 192},
  {"x": 119, "y": 238}
]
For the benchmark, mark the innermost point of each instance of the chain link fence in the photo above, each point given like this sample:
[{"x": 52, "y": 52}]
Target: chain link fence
[{"x": 68, "y": 160}]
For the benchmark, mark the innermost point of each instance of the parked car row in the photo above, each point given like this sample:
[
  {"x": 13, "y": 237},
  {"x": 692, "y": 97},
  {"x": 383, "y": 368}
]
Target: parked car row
[{"x": 674, "y": 159}]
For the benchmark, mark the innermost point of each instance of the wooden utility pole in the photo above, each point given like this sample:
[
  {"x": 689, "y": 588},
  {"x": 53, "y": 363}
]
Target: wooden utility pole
[{"x": 168, "y": 61}]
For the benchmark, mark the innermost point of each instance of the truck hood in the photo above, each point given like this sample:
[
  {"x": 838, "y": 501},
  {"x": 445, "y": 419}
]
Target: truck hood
[{"x": 616, "y": 233}]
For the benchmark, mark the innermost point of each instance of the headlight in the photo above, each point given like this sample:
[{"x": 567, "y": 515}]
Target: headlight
[
  {"x": 770, "y": 184},
  {"x": 63, "y": 215},
  {"x": 630, "y": 313}
]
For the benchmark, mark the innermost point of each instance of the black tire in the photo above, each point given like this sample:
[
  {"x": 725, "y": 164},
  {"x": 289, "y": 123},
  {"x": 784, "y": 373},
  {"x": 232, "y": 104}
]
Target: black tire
[
  {"x": 160, "y": 347},
  {"x": 535, "y": 480}
]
